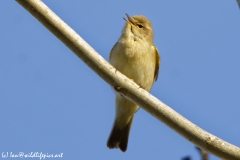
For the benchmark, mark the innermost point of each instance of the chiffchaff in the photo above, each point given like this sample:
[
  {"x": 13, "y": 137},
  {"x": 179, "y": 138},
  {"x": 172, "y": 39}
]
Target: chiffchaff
[{"x": 135, "y": 56}]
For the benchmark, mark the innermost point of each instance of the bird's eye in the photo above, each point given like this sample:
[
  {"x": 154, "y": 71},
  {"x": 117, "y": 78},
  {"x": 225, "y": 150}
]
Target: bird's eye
[{"x": 140, "y": 26}]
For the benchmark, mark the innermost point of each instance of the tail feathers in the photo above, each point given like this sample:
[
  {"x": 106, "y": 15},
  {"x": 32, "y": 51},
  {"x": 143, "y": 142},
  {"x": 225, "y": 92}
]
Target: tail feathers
[{"x": 119, "y": 137}]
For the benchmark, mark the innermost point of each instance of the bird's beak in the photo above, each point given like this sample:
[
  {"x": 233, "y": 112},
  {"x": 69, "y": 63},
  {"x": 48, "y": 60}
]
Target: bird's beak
[{"x": 129, "y": 20}]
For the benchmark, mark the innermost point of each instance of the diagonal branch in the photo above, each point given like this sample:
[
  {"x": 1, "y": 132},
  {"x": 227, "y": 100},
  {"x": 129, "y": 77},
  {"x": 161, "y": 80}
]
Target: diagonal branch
[{"x": 129, "y": 89}]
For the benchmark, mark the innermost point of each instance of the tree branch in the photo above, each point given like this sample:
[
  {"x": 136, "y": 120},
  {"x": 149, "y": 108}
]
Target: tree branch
[
  {"x": 129, "y": 89},
  {"x": 238, "y": 1}
]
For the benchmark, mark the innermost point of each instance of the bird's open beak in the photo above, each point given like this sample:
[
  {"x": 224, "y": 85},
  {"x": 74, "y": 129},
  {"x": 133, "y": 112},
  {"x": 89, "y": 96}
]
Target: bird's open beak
[{"x": 129, "y": 20}]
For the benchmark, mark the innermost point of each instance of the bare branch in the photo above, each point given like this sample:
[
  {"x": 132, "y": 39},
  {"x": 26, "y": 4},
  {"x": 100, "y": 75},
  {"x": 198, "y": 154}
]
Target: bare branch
[
  {"x": 238, "y": 1},
  {"x": 129, "y": 89}
]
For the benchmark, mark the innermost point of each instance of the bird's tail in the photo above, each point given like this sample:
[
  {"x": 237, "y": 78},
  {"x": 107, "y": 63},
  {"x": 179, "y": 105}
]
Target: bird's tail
[{"x": 119, "y": 137}]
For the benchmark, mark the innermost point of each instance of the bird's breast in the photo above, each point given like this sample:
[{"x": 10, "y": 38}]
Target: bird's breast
[{"x": 136, "y": 60}]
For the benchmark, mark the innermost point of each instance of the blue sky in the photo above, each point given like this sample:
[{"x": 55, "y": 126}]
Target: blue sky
[{"x": 51, "y": 102}]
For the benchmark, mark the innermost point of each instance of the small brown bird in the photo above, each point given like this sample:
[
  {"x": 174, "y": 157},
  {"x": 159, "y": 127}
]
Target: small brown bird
[{"x": 135, "y": 56}]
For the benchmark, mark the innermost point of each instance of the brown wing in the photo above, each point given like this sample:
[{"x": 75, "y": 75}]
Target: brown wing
[{"x": 157, "y": 63}]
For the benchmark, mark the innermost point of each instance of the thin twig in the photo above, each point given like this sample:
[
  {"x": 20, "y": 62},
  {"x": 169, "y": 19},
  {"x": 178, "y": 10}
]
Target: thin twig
[{"x": 238, "y": 1}]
